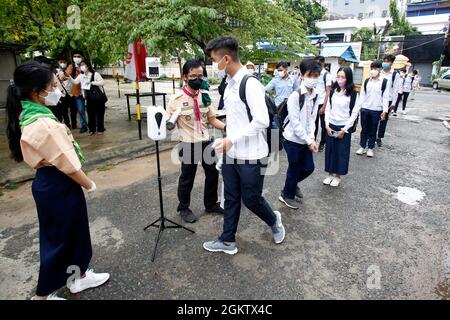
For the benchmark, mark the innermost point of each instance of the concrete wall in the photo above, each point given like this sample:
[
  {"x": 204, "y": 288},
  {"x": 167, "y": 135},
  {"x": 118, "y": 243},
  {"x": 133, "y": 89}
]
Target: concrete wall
[{"x": 368, "y": 8}]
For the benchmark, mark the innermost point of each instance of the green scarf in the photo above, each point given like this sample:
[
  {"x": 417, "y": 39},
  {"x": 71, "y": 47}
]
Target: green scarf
[{"x": 32, "y": 111}]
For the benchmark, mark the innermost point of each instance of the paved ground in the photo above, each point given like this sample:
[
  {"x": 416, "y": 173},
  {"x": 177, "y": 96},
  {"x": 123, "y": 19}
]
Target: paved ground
[{"x": 334, "y": 248}]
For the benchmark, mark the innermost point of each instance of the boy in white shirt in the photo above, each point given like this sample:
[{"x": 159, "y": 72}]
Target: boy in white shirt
[
  {"x": 299, "y": 127},
  {"x": 374, "y": 104}
]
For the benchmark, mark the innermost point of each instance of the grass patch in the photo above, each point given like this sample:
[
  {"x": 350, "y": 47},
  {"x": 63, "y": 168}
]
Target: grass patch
[{"x": 11, "y": 186}]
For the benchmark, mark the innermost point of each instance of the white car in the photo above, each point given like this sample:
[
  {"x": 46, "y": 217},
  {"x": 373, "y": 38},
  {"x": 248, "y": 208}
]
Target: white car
[{"x": 442, "y": 83}]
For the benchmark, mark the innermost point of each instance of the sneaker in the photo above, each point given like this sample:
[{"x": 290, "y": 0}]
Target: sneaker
[
  {"x": 220, "y": 246},
  {"x": 379, "y": 143},
  {"x": 361, "y": 151},
  {"x": 278, "y": 230},
  {"x": 336, "y": 181},
  {"x": 370, "y": 153},
  {"x": 403, "y": 111},
  {"x": 321, "y": 147},
  {"x": 91, "y": 280},
  {"x": 215, "y": 209},
  {"x": 83, "y": 130},
  {"x": 188, "y": 216},
  {"x": 52, "y": 296},
  {"x": 298, "y": 193},
  {"x": 394, "y": 114},
  {"x": 446, "y": 124},
  {"x": 328, "y": 180},
  {"x": 290, "y": 203}
]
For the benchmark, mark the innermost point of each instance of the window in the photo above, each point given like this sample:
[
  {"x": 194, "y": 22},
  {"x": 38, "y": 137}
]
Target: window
[
  {"x": 360, "y": 15},
  {"x": 370, "y": 14},
  {"x": 384, "y": 14}
]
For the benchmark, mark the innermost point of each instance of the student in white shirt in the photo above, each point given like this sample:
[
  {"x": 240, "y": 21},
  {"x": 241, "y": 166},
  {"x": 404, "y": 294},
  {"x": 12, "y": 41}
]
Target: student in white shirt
[
  {"x": 243, "y": 148},
  {"x": 374, "y": 104},
  {"x": 340, "y": 115},
  {"x": 95, "y": 110},
  {"x": 402, "y": 74},
  {"x": 323, "y": 90},
  {"x": 408, "y": 87},
  {"x": 393, "y": 87},
  {"x": 299, "y": 127}
]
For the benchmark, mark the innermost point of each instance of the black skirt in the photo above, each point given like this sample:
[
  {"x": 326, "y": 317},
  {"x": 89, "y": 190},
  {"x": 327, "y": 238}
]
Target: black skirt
[
  {"x": 64, "y": 238},
  {"x": 337, "y": 152}
]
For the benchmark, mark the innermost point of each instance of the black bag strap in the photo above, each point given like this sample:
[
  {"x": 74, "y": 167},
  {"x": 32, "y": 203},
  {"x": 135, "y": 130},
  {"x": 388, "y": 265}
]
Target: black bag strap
[
  {"x": 393, "y": 78},
  {"x": 242, "y": 95},
  {"x": 365, "y": 85},
  {"x": 74, "y": 70},
  {"x": 383, "y": 86},
  {"x": 352, "y": 101}
]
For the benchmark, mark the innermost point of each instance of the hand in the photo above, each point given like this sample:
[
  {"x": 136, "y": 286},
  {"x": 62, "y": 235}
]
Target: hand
[
  {"x": 313, "y": 147},
  {"x": 341, "y": 134},
  {"x": 329, "y": 131},
  {"x": 93, "y": 187},
  {"x": 383, "y": 116},
  {"x": 322, "y": 111},
  {"x": 222, "y": 146}
]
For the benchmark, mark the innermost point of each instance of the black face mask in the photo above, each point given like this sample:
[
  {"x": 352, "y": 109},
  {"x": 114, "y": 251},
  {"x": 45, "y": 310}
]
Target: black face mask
[{"x": 195, "y": 83}]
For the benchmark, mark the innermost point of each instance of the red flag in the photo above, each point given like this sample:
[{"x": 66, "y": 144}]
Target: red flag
[{"x": 135, "y": 61}]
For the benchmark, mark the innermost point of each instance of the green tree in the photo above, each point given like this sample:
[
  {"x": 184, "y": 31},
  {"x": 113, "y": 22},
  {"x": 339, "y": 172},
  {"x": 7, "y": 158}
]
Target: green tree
[
  {"x": 310, "y": 10},
  {"x": 400, "y": 24}
]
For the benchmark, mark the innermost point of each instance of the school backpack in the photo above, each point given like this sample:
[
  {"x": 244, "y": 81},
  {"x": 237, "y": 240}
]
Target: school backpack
[
  {"x": 352, "y": 105},
  {"x": 383, "y": 85}
]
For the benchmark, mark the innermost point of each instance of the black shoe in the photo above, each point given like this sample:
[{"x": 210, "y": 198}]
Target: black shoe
[
  {"x": 83, "y": 130},
  {"x": 188, "y": 216},
  {"x": 379, "y": 143},
  {"x": 298, "y": 192},
  {"x": 321, "y": 147},
  {"x": 215, "y": 209}
]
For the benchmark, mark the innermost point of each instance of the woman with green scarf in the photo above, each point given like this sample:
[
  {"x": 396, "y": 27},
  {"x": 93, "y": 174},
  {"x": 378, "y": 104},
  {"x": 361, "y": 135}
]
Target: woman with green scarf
[{"x": 37, "y": 137}]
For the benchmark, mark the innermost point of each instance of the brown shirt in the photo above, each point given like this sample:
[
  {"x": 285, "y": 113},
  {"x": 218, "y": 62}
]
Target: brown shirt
[
  {"x": 188, "y": 132},
  {"x": 76, "y": 88},
  {"x": 46, "y": 142}
]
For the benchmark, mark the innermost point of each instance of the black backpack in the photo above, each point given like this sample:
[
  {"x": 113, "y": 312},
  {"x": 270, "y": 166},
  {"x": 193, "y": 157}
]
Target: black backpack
[
  {"x": 352, "y": 105},
  {"x": 383, "y": 86},
  {"x": 275, "y": 126}
]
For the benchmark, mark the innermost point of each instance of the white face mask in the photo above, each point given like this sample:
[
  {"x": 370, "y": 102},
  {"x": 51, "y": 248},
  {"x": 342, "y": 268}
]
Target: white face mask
[
  {"x": 281, "y": 74},
  {"x": 310, "y": 82},
  {"x": 77, "y": 60},
  {"x": 222, "y": 72},
  {"x": 83, "y": 68},
  {"x": 374, "y": 73},
  {"x": 52, "y": 97},
  {"x": 251, "y": 71},
  {"x": 63, "y": 65}
]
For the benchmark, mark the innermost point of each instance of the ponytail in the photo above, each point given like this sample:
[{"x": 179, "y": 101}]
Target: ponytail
[
  {"x": 13, "y": 109},
  {"x": 29, "y": 77}
]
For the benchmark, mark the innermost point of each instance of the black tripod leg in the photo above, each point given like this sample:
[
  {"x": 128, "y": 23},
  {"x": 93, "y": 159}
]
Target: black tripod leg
[
  {"x": 158, "y": 236},
  {"x": 152, "y": 224},
  {"x": 179, "y": 225}
]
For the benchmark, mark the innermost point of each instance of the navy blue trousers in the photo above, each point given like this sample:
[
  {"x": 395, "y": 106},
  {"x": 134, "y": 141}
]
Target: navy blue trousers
[
  {"x": 369, "y": 126},
  {"x": 337, "y": 152},
  {"x": 64, "y": 238},
  {"x": 301, "y": 166},
  {"x": 243, "y": 182}
]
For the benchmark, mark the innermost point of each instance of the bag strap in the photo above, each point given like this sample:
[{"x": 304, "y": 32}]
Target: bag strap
[
  {"x": 365, "y": 85},
  {"x": 383, "y": 86},
  {"x": 331, "y": 98},
  {"x": 353, "y": 101},
  {"x": 242, "y": 95},
  {"x": 393, "y": 78}
]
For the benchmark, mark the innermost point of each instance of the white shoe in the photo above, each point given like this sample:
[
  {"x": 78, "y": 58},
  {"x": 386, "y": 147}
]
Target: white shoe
[
  {"x": 403, "y": 111},
  {"x": 91, "y": 280},
  {"x": 328, "y": 180},
  {"x": 370, "y": 153},
  {"x": 336, "y": 181},
  {"x": 52, "y": 296},
  {"x": 361, "y": 151}
]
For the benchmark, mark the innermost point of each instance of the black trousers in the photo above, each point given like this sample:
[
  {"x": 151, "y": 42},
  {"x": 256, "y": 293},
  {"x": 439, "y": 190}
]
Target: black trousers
[
  {"x": 399, "y": 98},
  {"x": 57, "y": 111},
  {"x": 69, "y": 112},
  {"x": 96, "y": 116},
  {"x": 383, "y": 124},
  {"x": 190, "y": 155},
  {"x": 323, "y": 133}
]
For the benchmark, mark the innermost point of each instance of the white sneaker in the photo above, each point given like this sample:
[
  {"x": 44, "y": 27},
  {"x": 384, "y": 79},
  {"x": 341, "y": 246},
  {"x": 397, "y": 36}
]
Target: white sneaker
[
  {"x": 403, "y": 111},
  {"x": 361, "y": 151},
  {"x": 446, "y": 124},
  {"x": 328, "y": 180},
  {"x": 370, "y": 153},
  {"x": 52, "y": 296},
  {"x": 91, "y": 280},
  {"x": 336, "y": 181}
]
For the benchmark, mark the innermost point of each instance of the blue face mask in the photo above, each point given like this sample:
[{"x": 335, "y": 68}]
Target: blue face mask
[{"x": 386, "y": 65}]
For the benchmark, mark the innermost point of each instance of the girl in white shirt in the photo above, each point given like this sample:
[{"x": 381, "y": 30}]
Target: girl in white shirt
[
  {"x": 340, "y": 115},
  {"x": 95, "y": 109}
]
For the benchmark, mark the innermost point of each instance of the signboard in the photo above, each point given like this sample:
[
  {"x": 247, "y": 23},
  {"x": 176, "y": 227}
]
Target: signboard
[{"x": 152, "y": 67}]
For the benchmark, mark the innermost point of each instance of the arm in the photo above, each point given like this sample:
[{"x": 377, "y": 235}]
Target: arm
[
  {"x": 216, "y": 123},
  {"x": 295, "y": 116},
  {"x": 270, "y": 86},
  {"x": 77, "y": 80},
  {"x": 98, "y": 80},
  {"x": 257, "y": 104},
  {"x": 353, "y": 116},
  {"x": 82, "y": 179},
  {"x": 327, "y": 113},
  {"x": 386, "y": 100}
]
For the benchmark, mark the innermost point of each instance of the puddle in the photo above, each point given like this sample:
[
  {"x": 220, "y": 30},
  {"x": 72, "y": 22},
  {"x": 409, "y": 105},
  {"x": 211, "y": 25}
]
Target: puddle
[{"x": 409, "y": 196}]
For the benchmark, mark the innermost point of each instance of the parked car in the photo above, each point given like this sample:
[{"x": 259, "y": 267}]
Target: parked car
[{"x": 442, "y": 83}]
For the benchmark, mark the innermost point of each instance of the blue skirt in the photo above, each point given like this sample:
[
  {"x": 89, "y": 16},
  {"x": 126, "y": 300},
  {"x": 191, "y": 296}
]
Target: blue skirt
[
  {"x": 337, "y": 153},
  {"x": 64, "y": 238}
]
